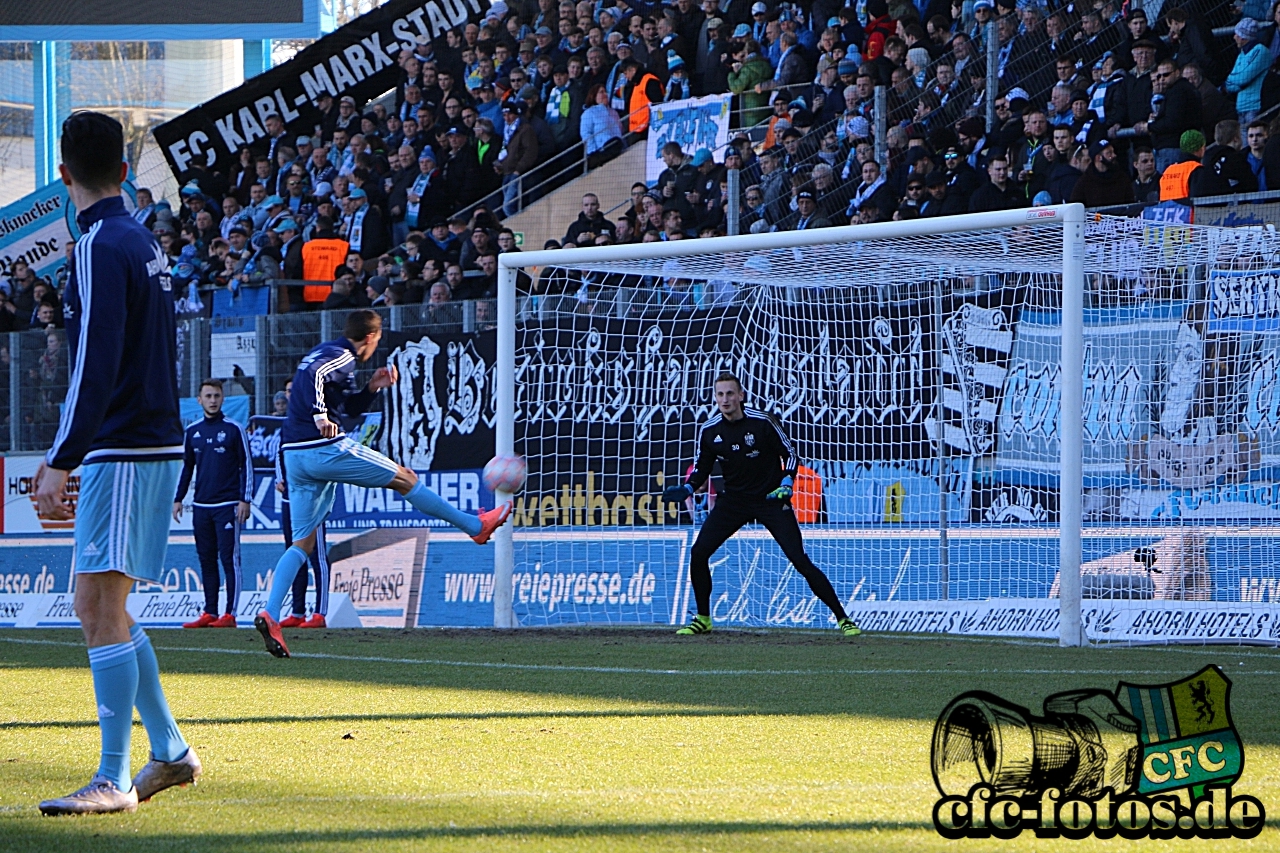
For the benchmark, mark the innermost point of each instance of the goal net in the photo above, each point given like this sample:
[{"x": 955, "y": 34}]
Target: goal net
[{"x": 922, "y": 371}]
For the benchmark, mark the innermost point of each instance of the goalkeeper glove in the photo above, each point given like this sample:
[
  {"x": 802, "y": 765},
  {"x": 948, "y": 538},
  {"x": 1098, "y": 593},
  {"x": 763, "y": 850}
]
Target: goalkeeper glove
[
  {"x": 782, "y": 493},
  {"x": 676, "y": 494}
]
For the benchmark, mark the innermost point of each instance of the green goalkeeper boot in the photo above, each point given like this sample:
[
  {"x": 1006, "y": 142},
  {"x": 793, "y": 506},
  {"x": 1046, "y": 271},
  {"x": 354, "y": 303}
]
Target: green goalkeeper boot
[
  {"x": 699, "y": 625},
  {"x": 848, "y": 627}
]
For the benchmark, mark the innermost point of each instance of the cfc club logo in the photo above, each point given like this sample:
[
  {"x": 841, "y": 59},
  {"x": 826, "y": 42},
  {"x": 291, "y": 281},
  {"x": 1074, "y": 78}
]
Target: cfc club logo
[{"x": 1153, "y": 761}]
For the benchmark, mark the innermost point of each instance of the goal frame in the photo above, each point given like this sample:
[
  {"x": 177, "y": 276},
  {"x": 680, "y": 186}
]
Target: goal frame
[{"x": 1071, "y": 217}]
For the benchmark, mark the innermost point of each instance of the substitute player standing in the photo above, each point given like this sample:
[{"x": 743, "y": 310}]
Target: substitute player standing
[
  {"x": 758, "y": 465},
  {"x": 318, "y": 456},
  {"x": 120, "y": 422},
  {"x": 217, "y": 448}
]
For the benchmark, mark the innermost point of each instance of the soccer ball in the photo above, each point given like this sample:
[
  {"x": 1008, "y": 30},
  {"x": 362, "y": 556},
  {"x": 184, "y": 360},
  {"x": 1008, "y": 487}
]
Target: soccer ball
[{"x": 505, "y": 473}]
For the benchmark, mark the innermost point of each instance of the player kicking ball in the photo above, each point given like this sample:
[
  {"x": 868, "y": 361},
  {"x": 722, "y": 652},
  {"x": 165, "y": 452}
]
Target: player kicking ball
[
  {"x": 318, "y": 456},
  {"x": 758, "y": 465}
]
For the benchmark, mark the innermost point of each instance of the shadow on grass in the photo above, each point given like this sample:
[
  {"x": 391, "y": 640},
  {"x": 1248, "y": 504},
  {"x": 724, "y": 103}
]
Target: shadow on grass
[
  {"x": 609, "y": 661},
  {"x": 425, "y": 717},
  {"x": 50, "y": 834}
]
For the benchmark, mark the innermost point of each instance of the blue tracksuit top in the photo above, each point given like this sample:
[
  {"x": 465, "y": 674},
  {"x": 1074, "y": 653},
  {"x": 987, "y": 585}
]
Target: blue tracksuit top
[
  {"x": 217, "y": 448},
  {"x": 325, "y": 385},
  {"x": 122, "y": 397}
]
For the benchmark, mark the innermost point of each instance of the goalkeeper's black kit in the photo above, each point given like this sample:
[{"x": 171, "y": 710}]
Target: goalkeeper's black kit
[{"x": 754, "y": 455}]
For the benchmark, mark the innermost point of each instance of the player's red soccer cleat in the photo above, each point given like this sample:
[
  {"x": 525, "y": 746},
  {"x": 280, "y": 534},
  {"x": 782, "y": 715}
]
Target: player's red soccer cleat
[
  {"x": 226, "y": 620},
  {"x": 206, "y": 620},
  {"x": 491, "y": 521},
  {"x": 270, "y": 631},
  {"x": 293, "y": 620},
  {"x": 316, "y": 621}
]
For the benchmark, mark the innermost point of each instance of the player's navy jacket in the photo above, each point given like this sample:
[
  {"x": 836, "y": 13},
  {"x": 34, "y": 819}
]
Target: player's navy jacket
[
  {"x": 753, "y": 452},
  {"x": 218, "y": 449},
  {"x": 122, "y": 397},
  {"x": 325, "y": 384}
]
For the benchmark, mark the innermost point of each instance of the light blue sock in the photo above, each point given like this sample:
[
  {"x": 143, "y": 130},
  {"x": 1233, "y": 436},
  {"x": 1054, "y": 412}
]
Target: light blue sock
[
  {"x": 115, "y": 684},
  {"x": 428, "y": 502},
  {"x": 282, "y": 581},
  {"x": 167, "y": 743}
]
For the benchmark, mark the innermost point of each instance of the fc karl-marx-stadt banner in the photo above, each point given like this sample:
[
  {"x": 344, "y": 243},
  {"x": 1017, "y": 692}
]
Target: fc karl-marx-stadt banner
[{"x": 357, "y": 60}]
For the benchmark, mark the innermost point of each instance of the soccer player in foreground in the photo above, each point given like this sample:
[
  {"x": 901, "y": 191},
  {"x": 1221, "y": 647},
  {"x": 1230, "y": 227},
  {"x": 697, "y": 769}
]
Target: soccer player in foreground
[
  {"x": 318, "y": 456},
  {"x": 121, "y": 422},
  {"x": 758, "y": 466}
]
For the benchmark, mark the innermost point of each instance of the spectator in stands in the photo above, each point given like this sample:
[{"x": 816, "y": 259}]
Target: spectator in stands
[
  {"x": 290, "y": 236},
  {"x": 1227, "y": 161},
  {"x": 1246, "y": 76},
  {"x": 343, "y": 296},
  {"x": 873, "y": 194},
  {"x": 519, "y": 154},
  {"x": 1106, "y": 182},
  {"x": 1146, "y": 181},
  {"x": 590, "y": 222},
  {"x": 362, "y": 225},
  {"x": 1175, "y": 109},
  {"x": 1257, "y": 139},
  {"x": 1214, "y": 106},
  {"x": 599, "y": 128},
  {"x": 999, "y": 193},
  {"x": 748, "y": 70}
]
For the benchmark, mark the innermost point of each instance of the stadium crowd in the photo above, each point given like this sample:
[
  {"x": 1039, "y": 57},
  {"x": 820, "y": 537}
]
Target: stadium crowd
[{"x": 401, "y": 200}]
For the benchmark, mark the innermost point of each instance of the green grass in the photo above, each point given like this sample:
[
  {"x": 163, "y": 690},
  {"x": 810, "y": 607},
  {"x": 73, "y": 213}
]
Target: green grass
[{"x": 824, "y": 745}]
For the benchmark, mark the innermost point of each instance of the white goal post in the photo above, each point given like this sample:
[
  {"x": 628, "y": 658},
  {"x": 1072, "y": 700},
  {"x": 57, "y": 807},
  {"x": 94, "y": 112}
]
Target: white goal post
[{"x": 1069, "y": 220}]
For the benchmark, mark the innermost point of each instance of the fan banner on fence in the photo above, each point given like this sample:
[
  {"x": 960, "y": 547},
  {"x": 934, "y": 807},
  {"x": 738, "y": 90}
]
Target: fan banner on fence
[
  {"x": 694, "y": 123},
  {"x": 359, "y": 59},
  {"x": 1181, "y": 416}
]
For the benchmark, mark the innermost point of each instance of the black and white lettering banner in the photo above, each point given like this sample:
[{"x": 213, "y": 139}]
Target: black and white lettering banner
[{"x": 357, "y": 60}]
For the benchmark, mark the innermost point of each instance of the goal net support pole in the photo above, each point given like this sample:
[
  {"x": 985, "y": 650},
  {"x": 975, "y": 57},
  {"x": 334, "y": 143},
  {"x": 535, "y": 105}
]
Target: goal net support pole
[{"x": 1069, "y": 217}]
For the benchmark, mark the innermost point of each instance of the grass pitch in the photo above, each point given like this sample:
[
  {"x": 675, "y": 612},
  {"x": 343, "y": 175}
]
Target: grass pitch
[{"x": 596, "y": 739}]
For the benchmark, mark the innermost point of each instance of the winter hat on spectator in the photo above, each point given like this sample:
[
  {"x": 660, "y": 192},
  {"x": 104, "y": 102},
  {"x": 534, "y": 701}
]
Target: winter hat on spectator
[
  {"x": 701, "y": 157},
  {"x": 983, "y": 4},
  {"x": 741, "y": 31},
  {"x": 972, "y": 127},
  {"x": 847, "y": 66},
  {"x": 1042, "y": 198},
  {"x": 235, "y": 229},
  {"x": 859, "y": 127},
  {"x": 714, "y": 23},
  {"x": 1102, "y": 145},
  {"x": 1247, "y": 28},
  {"x": 935, "y": 178},
  {"x": 528, "y": 93},
  {"x": 674, "y": 62},
  {"x": 1191, "y": 141},
  {"x": 802, "y": 118},
  {"x": 1079, "y": 95},
  {"x": 379, "y": 283},
  {"x": 805, "y": 194},
  {"x": 192, "y": 188}
]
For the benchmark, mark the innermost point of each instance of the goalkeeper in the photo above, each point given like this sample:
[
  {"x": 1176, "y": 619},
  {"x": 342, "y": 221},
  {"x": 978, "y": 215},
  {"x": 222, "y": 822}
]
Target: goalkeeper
[{"x": 758, "y": 466}]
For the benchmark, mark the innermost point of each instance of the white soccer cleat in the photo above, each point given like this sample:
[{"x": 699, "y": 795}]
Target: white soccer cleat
[
  {"x": 156, "y": 775},
  {"x": 100, "y": 796}
]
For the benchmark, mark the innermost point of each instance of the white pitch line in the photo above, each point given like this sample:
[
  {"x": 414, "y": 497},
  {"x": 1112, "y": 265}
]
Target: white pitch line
[{"x": 623, "y": 670}]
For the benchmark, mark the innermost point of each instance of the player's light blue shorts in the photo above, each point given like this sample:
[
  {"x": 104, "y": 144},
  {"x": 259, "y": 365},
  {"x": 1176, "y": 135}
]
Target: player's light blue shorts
[
  {"x": 315, "y": 472},
  {"x": 122, "y": 517}
]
